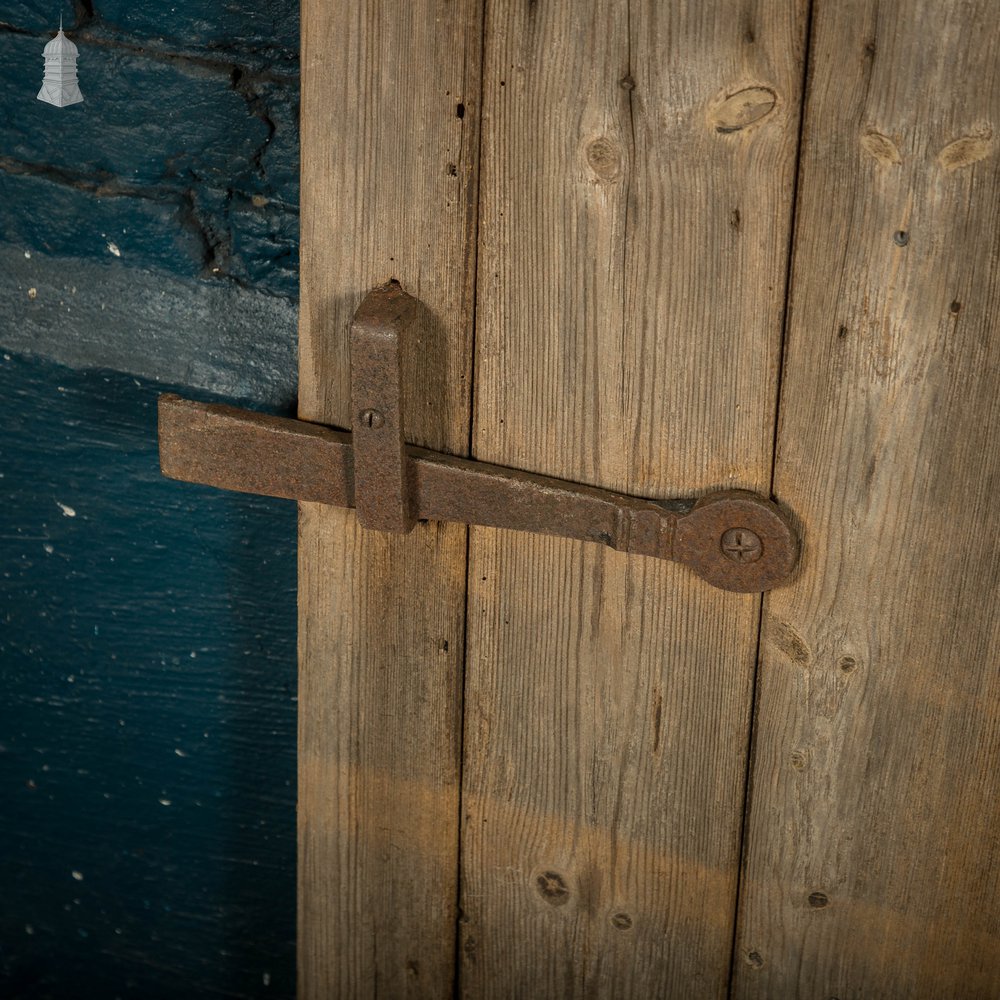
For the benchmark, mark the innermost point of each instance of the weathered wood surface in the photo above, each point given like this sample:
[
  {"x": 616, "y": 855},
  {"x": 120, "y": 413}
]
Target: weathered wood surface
[
  {"x": 873, "y": 863},
  {"x": 389, "y": 145},
  {"x": 638, "y": 165}
]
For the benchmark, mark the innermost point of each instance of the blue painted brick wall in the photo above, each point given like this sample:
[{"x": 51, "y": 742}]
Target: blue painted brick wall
[
  {"x": 184, "y": 153},
  {"x": 147, "y": 641},
  {"x": 147, "y": 725}
]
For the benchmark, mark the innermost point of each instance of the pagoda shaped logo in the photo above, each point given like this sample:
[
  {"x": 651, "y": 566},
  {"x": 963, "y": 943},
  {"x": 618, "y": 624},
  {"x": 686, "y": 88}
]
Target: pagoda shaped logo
[{"x": 60, "y": 86}]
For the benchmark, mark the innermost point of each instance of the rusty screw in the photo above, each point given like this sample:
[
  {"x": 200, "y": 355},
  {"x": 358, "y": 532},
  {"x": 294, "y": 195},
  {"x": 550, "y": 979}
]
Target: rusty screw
[
  {"x": 742, "y": 545},
  {"x": 372, "y": 418}
]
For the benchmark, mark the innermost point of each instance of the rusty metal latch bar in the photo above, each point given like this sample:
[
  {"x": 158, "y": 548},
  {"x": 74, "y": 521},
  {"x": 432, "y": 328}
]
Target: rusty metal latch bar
[{"x": 735, "y": 540}]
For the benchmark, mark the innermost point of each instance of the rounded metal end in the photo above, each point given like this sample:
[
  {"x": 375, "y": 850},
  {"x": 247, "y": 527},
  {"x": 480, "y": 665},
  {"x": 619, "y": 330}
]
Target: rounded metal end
[{"x": 737, "y": 541}]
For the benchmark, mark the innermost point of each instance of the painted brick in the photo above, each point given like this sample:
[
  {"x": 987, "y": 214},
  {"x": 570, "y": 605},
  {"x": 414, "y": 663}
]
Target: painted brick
[
  {"x": 252, "y": 239},
  {"x": 196, "y": 233},
  {"x": 263, "y": 32},
  {"x": 147, "y": 725},
  {"x": 143, "y": 122},
  {"x": 207, "y": 154},
  {"x": 269, "y": 27},
  {"x": 220, "y": 336},
  {"x": 26, "y": 15},
  {"x": 61, "y": 220},
  {"x": 184, "y": 156}
]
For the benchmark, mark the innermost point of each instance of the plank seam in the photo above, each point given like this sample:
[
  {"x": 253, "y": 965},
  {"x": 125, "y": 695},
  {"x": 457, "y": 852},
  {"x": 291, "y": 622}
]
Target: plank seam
[
  {"x": 782, "y": 349},
  {"x": 474, "y": 241}
]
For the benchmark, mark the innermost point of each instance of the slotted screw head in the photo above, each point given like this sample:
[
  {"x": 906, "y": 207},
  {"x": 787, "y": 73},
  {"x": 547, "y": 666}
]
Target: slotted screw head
[
  {"x": 372, "y": 418},
  {"x": 741, "y": 545}
]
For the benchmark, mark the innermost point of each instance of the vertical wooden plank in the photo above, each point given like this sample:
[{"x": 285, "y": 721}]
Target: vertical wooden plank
[
  {"x": 389, "y": 152},
  {"x": 638, "y": 163},
  {"x": 873, "y": 865}
]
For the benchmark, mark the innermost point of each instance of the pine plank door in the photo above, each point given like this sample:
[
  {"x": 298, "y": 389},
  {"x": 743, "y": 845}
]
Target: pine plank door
[
  {"x": 523, "y": 760},
  {"x": 873, "y": 858},
  {"x": 637, "y": 173},
  {"x": 390, "y": 95}
]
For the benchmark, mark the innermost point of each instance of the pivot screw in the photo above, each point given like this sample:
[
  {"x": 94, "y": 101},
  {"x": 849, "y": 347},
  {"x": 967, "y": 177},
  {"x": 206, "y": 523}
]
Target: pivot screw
[
  {"x": 741, "y": 545},
  {"x": 372, "y": 418}
]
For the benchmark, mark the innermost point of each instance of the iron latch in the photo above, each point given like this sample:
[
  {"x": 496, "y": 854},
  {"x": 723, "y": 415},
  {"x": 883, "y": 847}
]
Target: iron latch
[{"x": 735, "y": 540}]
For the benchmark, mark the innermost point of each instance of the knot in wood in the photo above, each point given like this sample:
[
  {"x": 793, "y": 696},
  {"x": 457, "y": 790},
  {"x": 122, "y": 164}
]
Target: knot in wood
[
  {"x": 604, "y": 158},
  {"x": 745, "y": 107}
]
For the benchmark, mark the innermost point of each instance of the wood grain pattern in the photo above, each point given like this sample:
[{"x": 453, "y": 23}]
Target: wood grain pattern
[
  {"x": 873, "y": 864},
  {"x": 389, "y": 147},
  {"x": 636, "y": 191}
]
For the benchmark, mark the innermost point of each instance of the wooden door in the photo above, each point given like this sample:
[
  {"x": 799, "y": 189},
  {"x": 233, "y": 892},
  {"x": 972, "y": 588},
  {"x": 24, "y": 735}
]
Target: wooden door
[
  {"x": 607, "y": 699},
  {"x": 531, "y": 767},
  {"x": 872, "y": 853}
]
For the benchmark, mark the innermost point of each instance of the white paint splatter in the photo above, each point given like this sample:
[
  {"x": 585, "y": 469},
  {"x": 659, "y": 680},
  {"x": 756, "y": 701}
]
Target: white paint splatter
[
  {"x": 32, "y": 293},
  {"x": 113, "y": 248},
  {"x": 67, "y": 511},
  {"x": 27, "y": 255},
  {"x": 48, "y": 548},
  {"x": 165, "y": 802},
  {"x": 179, "y": 752},
  {"x": 77, "y": 875}
]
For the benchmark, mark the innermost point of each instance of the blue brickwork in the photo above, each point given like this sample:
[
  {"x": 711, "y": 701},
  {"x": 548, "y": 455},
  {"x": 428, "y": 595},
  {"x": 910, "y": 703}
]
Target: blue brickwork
[
  {"x": 147, "y": 725},
  {"x": 147, "y": 638},
  {"x": 189, "y": 126}
]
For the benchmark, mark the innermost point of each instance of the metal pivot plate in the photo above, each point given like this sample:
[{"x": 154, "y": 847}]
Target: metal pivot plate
[{"x": 735, "y": 540}]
